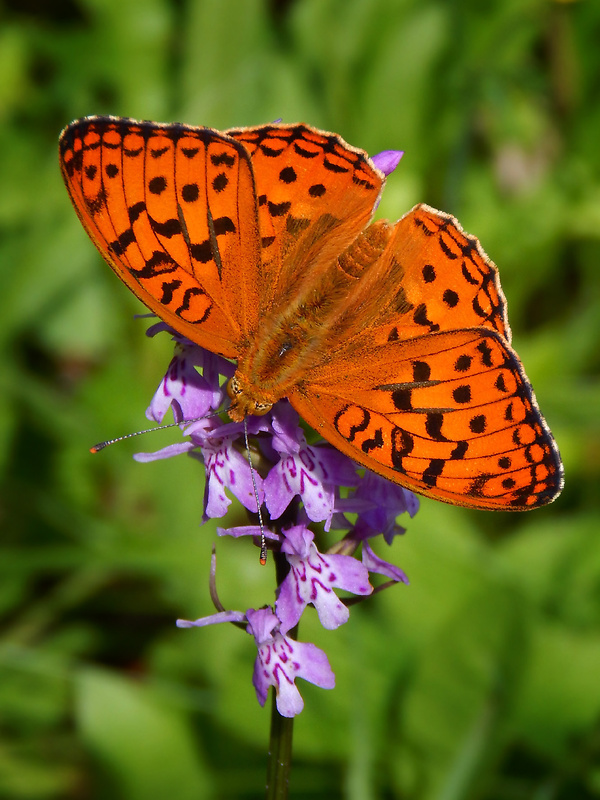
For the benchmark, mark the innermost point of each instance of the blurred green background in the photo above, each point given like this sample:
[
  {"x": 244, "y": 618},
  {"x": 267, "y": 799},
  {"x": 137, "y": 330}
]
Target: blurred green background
[{"x": 481, "y": 679}]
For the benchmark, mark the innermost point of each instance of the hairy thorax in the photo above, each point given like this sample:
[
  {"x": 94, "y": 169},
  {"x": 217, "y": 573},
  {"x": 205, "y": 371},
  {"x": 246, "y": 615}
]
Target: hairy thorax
[{"x": 312, "y": 318}]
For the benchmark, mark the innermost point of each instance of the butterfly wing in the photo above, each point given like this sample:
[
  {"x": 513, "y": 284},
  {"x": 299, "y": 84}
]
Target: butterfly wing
[
  {"x": 448, "y": 278},
  {"x": 316, "y": 193},
  {"x": 430, "y": 393},
  {"x": 172, "y": 209},
  {"x": 450, "y": 415}
]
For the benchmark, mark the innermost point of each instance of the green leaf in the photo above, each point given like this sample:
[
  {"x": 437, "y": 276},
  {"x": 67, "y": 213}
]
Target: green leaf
[
  {"x": 144, "y": 743},
  {"x": 453, "y": 722}
]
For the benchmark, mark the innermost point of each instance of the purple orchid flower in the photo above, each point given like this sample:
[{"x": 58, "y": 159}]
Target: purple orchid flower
[
  {"x": 281, "y": 660},
  {"x": 311, "y": 579},
  {"x": 313, "y": 473}
]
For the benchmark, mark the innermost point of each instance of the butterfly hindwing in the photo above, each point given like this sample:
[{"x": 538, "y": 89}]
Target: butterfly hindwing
[{"x": 450, "y": 415}]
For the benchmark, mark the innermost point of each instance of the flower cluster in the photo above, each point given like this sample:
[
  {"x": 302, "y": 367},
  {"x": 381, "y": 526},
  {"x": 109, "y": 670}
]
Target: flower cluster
[
  {"x": 291, "y": 479},
  {"x": 287, "y": 485}
]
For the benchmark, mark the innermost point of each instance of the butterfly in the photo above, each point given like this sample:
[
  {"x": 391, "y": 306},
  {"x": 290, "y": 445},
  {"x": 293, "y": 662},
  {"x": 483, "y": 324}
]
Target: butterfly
[{"x": 390, "y": 340}]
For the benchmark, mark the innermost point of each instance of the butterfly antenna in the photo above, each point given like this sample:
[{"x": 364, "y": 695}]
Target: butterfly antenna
[
  {"x": 263, "y": 541},
  {"x": 101, "y": 445}
]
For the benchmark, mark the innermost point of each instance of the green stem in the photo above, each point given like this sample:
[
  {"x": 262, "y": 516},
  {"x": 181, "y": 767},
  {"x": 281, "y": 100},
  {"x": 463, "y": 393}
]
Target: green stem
[{"x": 279, "y": 761}]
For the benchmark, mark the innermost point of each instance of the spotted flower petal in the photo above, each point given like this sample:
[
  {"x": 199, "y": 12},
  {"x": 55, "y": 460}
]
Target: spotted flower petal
[
  {"x": 374, "y": 563},
  {"x": 212, "y": 619},
  {"x": 165, "y": 452},
  {"x": 312, "y": 473},
  {"x": 226, "y": 468},
  {"x": 312, "y": 578},
  {"x": 281, "y": 660},
  {"x": 387, "y": 501},
  {"x": 189, "y": 393}
]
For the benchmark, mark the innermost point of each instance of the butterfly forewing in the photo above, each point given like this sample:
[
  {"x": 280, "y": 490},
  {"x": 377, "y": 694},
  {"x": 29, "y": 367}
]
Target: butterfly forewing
[{"x": 173, "y": 210}]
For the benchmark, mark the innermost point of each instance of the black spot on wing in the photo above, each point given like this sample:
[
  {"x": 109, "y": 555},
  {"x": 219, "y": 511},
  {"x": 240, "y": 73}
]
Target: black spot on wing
[
  {"x": 428, "y": 273},
  {"x": 433, "y": 425},
  {"x": 402, "y": 445},
  {"x": 478, "y": 485},
  {"x": 168, "y": 228},
  {"x": 287, "y": 175},
  {"x": 222, "y": 159},
  {"x": 402, "y": 399},
  {"x": 122, "y": 242},
  {"x": 500, "y": 383},
  {"x": 433, "y": 471},
  {"x": 135, "y": 210},
  {"x": 168, "y": 289},
  {"x": 450, "y": 298},
  {"x": 158, "y": 264},
  {"x": 478, "y": 423},
  {"x": 278, "y": 209},
  {"x": 224, "y": 225},
  {"x": 220, "y": 182},
  {"x": 486, "y": 353},
  {"x": 97, "y": 203},
  {"x": 420, "y": 317},
  {"x": 157, "y": 185},
  {"x": 190, "y": 192},
  {"x": 462, "y": 363},
  {"x": 421, "y": 371},
  {"x": 373, "y": 444},
  {"x": 202, "y": 251},
  {"x": 462, "y": 394},
  {"x": 459, "y": 451}
]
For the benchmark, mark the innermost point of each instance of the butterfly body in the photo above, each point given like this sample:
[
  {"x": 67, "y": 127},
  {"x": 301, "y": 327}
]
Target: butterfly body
[
  {"x": 306, "y": 328},
  {"x": 391, "y": 340}
]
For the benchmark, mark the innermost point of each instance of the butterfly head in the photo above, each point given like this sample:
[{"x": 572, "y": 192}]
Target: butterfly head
[{"x": 243, "y": 402}]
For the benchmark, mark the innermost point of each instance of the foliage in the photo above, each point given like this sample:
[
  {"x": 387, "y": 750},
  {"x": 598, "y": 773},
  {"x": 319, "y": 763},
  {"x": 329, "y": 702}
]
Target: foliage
[{"x": 477, "y": 681}]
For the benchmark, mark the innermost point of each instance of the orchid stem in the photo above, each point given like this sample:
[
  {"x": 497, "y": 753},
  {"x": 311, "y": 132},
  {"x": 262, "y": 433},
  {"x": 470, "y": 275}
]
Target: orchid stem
[{"x": 279, "y": 761}]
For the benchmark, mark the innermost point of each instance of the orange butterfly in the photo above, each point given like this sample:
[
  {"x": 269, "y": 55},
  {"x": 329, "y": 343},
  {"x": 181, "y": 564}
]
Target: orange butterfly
[{"x": 392, "y": 341}]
